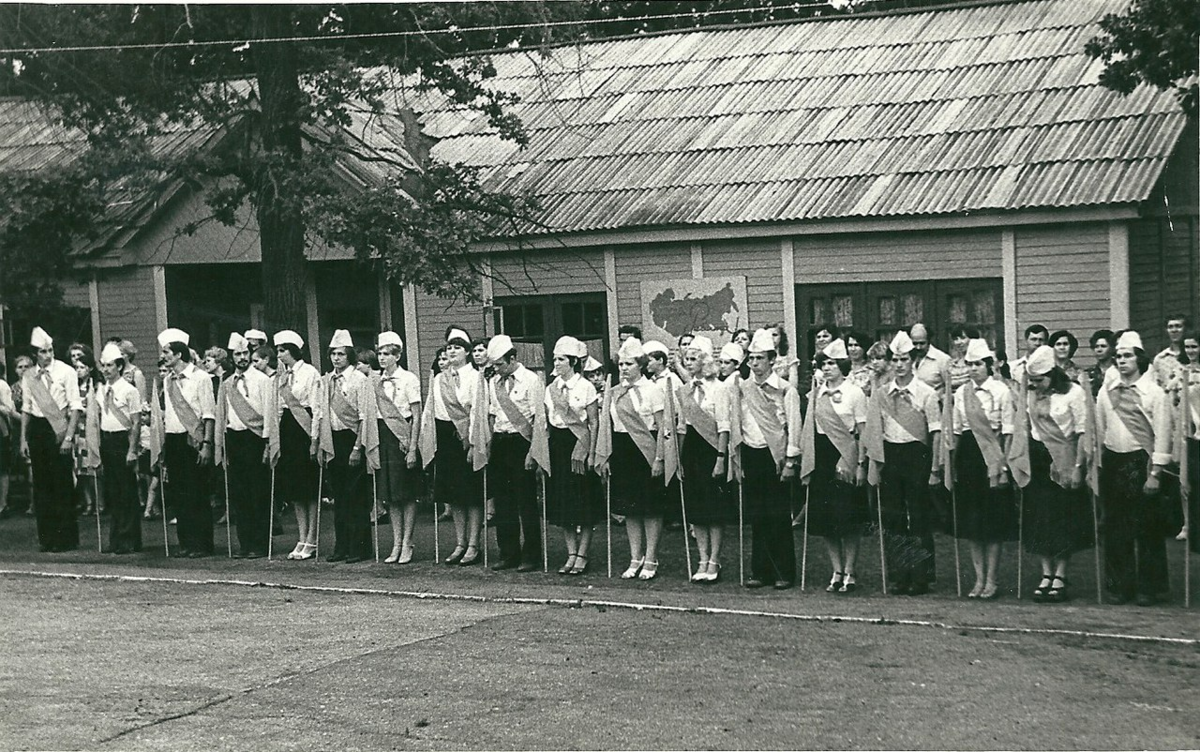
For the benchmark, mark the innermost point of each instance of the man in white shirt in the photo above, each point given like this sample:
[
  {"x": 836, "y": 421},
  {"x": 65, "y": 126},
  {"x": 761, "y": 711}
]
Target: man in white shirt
[
  {"x": 929, "y": 363},
  {"x": 1133, "y": 423},
  {"x": 241, "y": 439},
  {"x": 1035, "y": 336},
  {"x": 515, "y": 405},
  {"x": 50, "y": 412},
  {"x": 189, "y": 417}
]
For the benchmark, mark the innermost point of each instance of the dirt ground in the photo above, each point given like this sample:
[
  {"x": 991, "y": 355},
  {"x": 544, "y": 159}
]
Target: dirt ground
[{"x": 184, "y": 658}]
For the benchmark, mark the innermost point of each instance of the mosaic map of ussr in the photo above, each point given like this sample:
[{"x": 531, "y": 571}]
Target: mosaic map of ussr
[{"x": 714, "y": 307}]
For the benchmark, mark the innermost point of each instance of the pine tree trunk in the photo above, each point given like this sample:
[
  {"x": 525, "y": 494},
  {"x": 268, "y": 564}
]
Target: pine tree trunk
[{"x": 280, "y": 221}]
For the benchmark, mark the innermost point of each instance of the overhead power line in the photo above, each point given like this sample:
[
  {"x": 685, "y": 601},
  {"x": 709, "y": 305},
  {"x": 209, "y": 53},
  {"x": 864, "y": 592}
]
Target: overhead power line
[{"x": 397, "y": 34}]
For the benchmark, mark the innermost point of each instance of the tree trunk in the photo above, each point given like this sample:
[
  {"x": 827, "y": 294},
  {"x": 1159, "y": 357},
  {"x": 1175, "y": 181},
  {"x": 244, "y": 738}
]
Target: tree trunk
[{"x": 280, "y": 221}]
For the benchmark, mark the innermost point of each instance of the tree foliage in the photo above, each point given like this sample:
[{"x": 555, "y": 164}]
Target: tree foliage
[{"x": 1155, "y": 42}]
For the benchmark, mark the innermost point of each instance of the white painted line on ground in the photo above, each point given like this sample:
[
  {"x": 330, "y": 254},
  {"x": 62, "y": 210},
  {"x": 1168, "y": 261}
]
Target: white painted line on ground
[{"x": 581, "y": 602}]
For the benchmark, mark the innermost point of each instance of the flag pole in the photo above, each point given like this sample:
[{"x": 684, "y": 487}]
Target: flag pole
[
  {"x": 96, "y": 504},
  {"x": 228, "y": 520},
  {"x": 545, "y": 525},
  {"x": 375, "y": 514},
  {"x": 271, "y": 519},
  {"x": 742, "y": 535},
  {"x": 882, "y": 551},
  {"x": 320, "y": 486}
]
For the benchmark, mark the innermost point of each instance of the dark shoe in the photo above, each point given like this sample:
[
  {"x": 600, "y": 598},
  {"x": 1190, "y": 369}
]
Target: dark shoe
[
  {"x": 354, "y": 559},
  {"x": 1145, "y": 599},
  {"x": 197, "y": 554},
  {"x": 900, "y": 588},
  {"x": 566, "y": 567},
  {"x": 1117, "y": 599},
  {"x": 253, "y": 555},
  {"x": 782, "y": 584},
  {"x": 753, "y": 583},
  {"x": 7, "y": 512},
  {"x": 469, "y": 557},
  {"x": 918, "y": 588},
  {"x": 455, "y": 555},
  {"x": 504, "y": 564},
  {"x": 528, "y": 566},
  {"x": 338, "y": 557}
]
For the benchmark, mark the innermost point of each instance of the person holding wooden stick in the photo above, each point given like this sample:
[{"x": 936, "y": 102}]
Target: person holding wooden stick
[
  {"x": 118, "y": 425},
  {"x": 398, "y": 396},
  {"x": 241, "y": 442},
  {"x": 290, "y": 436}
]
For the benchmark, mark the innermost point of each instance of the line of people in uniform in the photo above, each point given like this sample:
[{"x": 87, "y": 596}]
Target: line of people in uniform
[{"x": 729, "y": 437}]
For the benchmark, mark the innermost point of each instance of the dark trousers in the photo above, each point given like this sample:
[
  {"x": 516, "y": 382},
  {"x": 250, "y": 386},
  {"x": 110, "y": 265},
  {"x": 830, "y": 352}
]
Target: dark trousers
[
  {"x": 351, "y": 500},
  {"x": 187, "y": 492},
  {"x": 907, "y": 511},
  {"x": 1134, "y": 550},
  {"x": 768, "y": 505},
  {"x": 119, "y": 484},
  {"x": 514, "y": 490},
  {"x": 249, "y": 489},
  {"x": 53, "y": 488}
]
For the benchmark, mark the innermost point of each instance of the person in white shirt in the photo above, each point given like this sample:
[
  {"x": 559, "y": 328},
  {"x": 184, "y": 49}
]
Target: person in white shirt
[
  {"x": 188, "y": 419},
  {"x": 445, "y": 443},
  {"x": 767, "y": 439},
  {"x": 515, "y": 422},
  {"x": 705, "y": 408},
  {"x": 630, "y": 453},
  {"x": 9, "y": 418},
  {"x": 117, "y": 416},
  {"x": 1036, "y": 335},
  {"x": 1056, "y": 509},
  {"x": 906, "y": 418},
  {"x": 243, "y": 402},
  {"x": 983, "y": 420},
  {"x": 345, "y": 442},
  {"x": 573, "y": 501},
  {"x": 398, "y": 395},
  {"x": 297, "y": 478},
  {"x": 659, "y": 370},
  {"x": 1133, "y": 424},
  {"x": 50, "y": 413},
  {"x": 834, "y": 466},
  {"x": 930, "y": 364}
]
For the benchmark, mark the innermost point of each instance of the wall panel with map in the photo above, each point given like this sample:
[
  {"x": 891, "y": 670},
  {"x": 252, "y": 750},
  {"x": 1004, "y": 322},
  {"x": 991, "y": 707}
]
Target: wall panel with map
[{"x": 714, "y": 307}]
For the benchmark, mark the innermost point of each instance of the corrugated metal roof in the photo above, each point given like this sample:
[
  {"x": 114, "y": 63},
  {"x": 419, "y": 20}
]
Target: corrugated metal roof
[{"x": 989, "y": 107}]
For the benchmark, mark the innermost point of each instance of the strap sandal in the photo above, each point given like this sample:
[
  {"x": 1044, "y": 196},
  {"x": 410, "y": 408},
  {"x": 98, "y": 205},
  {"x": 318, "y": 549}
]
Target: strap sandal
[
  {"x": 635, "y": 566},
  {"x": 1057, "y": 593},
  {"x": 835, "y": 583},
  {"x": 568, "y": 565},
  {"x": 581, "y": 564},
  {"x": 1039, "y": 593},
  {"x": 649, "y": 570}
]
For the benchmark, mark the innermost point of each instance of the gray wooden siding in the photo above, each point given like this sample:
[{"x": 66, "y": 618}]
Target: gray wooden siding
[
  {"x": 759, "y": 262},
  {"x": 558, "y": 272},
  {"x": 892, "y": 256},
  {"x": 127, "y": 310},
  {"x": 1164, "y": 274},
  {"x": 434, "y": 314},
  {"x": 1062, "y": 279},
  {"x": 637, "y": 263}
]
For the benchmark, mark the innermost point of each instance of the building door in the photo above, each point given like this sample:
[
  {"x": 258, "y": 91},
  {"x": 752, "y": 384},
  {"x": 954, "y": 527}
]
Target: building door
[
  {"x": 879, "y": 309},
  {"x": 536, "y": 322}
]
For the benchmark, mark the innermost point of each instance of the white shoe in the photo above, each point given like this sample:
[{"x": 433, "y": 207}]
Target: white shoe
[
  {"x": 1182, "y": 535},
  {"x": 701, "y": 574},
  {"x": 635, "y": 566},
  {"x": 296, "y": 551}
]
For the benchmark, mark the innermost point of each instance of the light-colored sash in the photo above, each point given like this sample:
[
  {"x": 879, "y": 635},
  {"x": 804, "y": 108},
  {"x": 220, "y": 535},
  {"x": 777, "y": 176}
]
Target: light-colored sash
[
  {"x": 511, "y": 411},
  {"x": 1128, "y": 409},
  {"x": 121, "y": 417},
  {"x": 981, "y": 428},
  {"x": 907, "y": 415},
  {"x": 734, "y": 465},
  {"x": 185, "y": 412},
  {"x": 562, "y": 408},
  {"x": 696, "y": 417},
  {"x": 35, "y": 388},
  {"x": 400, "y": 427},
  {"x": 250, "y": 417},
  {"x": 634, "y": 425},
  {"x": 1061, "y": 447},
  {"x": 763, "y": 409},
  {"x": 91, "y": 431},
  {"x": 293, "y": 405},
  {"x": 837, "y": 433},
  {"x": 603, "y": 449}
]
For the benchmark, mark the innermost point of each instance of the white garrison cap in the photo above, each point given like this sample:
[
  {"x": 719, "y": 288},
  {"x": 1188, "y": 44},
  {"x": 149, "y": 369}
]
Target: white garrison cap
[
  {"x": 341, "y": 338},
  {"x": 457, "y": 334},
  {"x": 978, "y": 350},
  {"x": 732, "y": 351},
  {"x": 1130, "y": 340},
  {"x": 40, "y": 339},
  {"x": 654, "y": 346},
  {"x": 288, "y": 337},
  {"x": 836, "y": 350},
  {"x": 389, "y": 338},
  {"x": 591, "y": 364},
  {"x": 258, "y": 334},
  {"x": 111, "y": 353},
  {"x": 168, "y": 336},
  {"x": 901, "y": 343},
  {"x": 631, "y": 349},
  {"x": 703, "y": 344},
  {"x": 237, "y": 342},
  {"x": 1040, "y": 362},
  {"x": 570, "y": 346},
  {"x": 762, "y": 341},
  {"x": 498, "y": 347}
]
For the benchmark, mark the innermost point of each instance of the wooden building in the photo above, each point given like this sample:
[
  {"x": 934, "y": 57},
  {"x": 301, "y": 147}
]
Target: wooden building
[{"x": 951, "y": 165}]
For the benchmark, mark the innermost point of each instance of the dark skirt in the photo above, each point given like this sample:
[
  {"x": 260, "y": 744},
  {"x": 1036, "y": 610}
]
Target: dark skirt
[
  {"x": 635, "y": 492},
  {"x": 835, "y": 509},
  {"x": 984, "y": 514},
  {"x": 1058, "y": 521},
  {"x": 296, "y": 473},
  {"x": 707, "y": 499},
  {"x": 455, "y": 483},
  {"x": 571, "y": 499},
  {"x": 1193, "y": 450},
  {"x": 398, "y": 484}
]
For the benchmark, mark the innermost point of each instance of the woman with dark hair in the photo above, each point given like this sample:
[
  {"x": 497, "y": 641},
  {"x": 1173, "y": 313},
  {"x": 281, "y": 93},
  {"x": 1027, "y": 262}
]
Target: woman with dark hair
[
  {"x": 1002, "y": 371},
  {"x": 297, "y": 479},
  {"x": 860, "y": 370},
  {"x": 731, "y": 360},
  {"x": 631, "y": 442},
  {"x": 479, "y": 358},
  {"x": 1102, "y": 343},
  {"x": 445, "y": 443},
  {"x": 366, "y": 361},
  {"x": 833, "y": 465},
  {"x": 959, "y": 337},
  {"x": 983, "y": 420},
  {"x": 1065, "y": 344},
  {"x": 787, "y": 366},
  {"x": 741, "y": 338},
  {"x": 265, "y": 360},
  {"x": 345, "y": 442},
  {"x": 1058, "y": 516},
  {"x": 573, "y": 417},
  {"x": 823, "y": 337},
  {"x": 85, "y": 463}
]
